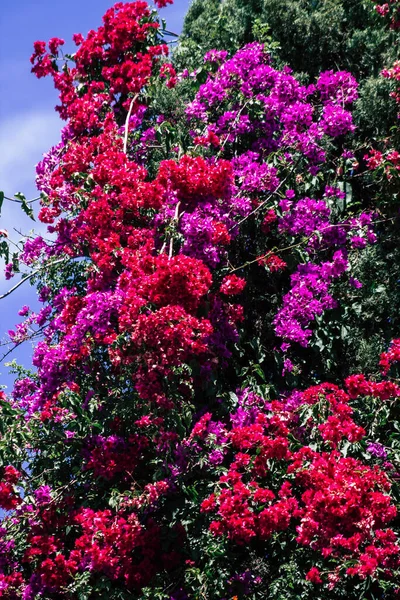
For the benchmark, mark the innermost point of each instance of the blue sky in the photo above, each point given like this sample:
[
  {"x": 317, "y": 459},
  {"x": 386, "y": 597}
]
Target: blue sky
[{"x": 29, "y": 125}]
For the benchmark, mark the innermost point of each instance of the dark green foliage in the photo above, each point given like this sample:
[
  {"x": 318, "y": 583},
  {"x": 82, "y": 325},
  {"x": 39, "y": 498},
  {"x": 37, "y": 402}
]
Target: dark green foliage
[
  {"x": 310, "y": 36},
  {"x": 220, "y": 24},
  {"x": 313, "y": 35},
  {"x": 374, "y": 314}
]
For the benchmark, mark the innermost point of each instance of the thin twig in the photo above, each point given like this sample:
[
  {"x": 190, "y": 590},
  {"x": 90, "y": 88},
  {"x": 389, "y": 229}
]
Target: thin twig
[
  {"x": 169, "y": 32},
  {"x": 11, "y": 350},
  {"x": 21, "y": 201},
  {"x": 259, "y": 207},
  {"x": 31, "y": 237},
  {"x": 16, "y": 286},
  {"x": 176, "y": 219},
  {"x": 128, "y": 116},
  {"x": 301, "y": 243},
  {"x": 16, "y": 345},
  {"x": 10, "y": 241},
  {"x": 235, "y": 121}
]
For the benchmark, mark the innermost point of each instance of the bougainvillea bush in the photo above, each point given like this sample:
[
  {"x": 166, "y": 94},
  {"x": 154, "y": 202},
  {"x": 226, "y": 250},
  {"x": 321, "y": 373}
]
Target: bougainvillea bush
[{"x": 183, "y": 434}]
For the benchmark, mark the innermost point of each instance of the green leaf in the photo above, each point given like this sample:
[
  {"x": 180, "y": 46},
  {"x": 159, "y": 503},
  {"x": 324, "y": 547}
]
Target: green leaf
[
  {"x": 24, "y": 205},
  {"x": 5, "y": 251},
  {"x": 27, "y": 210},
  {"x": 345, "y": 447}
]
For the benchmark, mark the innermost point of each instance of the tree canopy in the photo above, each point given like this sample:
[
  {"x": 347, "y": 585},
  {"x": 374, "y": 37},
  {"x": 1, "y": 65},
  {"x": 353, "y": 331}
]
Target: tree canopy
[{"x": 212, "y": 409}]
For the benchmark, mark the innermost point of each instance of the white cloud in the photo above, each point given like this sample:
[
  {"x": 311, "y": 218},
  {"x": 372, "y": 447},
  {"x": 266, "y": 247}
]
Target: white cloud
[{"x": 23, "y": 140}]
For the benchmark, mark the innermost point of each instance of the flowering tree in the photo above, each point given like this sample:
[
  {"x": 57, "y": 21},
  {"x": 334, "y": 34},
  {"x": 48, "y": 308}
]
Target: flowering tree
[{"x": 176, "y": 439}]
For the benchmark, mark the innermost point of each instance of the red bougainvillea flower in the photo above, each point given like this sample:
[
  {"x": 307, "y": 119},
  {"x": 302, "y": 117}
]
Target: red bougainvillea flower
[
  {"x": 232, "y": 285},
  {"x": 162, "y": 3},
  {"x": 314, "y": 576}
]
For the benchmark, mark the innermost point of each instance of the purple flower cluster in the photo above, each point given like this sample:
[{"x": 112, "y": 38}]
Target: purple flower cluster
[
  {"x": 33, "y": 249},
  {"x": 247, "y": 100},
  {"x": 49, "y": 164},
  {"x": 305, "y": 217},
  {"x": 308, "y": 298},
  {"x": 249, "y": 405},
  {"x": 377, "y": 450},
  {"x": 336, "y": 121},
  {"x": 337, "y": 87},
  {"x": 253, "y": 175},
  {"x": 198, "y": 225},
  {"x": 9, "y": 271},
  {"x": 312, "y": 218}
]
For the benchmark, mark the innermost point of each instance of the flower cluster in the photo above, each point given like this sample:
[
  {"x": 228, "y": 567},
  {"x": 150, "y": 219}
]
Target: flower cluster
[
  {"x": 390, "y": 357},
  {"x": 332, "y": 504},
  {"x": 390, "y": 10},
  {"x": 309, "y": 297}
]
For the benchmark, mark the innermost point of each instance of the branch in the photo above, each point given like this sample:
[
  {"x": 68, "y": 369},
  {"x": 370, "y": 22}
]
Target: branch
[
  {"x": 16, "y": 286},
  {"x": 264, "y": 201},
  {"x": 176, "y": 219},
  {"x": 31, "y": 237},
  {"x": 276, "y": 250},
  {"x": 17, "y": 344},
  {"x": 21, "y": 201},
  {"x": 169, "y": 33},
  {"x": 128, "y": 116},
  {"x": 235, "y": 121}
]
